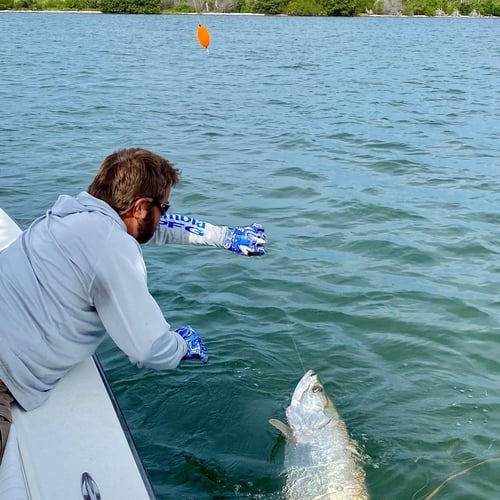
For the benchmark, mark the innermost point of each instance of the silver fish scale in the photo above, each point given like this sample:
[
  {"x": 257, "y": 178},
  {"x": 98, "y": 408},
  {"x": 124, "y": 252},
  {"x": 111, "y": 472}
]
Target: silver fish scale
[{"x": 323, "y": 467}]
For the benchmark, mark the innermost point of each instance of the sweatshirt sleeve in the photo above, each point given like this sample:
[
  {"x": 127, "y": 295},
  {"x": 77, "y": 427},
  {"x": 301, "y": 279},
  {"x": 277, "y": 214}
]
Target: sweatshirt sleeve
[
  {"x": 186, "y": 230},
  {"x": 129, "y": 313}
]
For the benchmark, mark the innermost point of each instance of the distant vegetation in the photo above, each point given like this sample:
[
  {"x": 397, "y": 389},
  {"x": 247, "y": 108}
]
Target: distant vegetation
[{"x": 270, "y": 7}]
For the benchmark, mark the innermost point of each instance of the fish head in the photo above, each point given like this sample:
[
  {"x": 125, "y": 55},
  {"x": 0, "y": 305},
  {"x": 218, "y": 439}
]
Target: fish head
[{"x": 310, "y": 409}]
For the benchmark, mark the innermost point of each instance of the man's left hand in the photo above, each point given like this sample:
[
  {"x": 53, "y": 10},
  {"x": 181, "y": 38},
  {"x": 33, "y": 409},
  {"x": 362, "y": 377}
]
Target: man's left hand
[{"x": 247, "y": 240}]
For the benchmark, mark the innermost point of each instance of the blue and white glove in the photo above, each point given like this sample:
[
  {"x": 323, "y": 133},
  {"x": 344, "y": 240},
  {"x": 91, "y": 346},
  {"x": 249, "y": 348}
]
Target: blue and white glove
[
  {"x": 195, "y": 347},
  {"x": 247, "y": 240}
]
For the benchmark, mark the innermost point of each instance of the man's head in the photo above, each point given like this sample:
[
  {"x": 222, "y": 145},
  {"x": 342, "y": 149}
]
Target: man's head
[{"x": 135, "y": 182}]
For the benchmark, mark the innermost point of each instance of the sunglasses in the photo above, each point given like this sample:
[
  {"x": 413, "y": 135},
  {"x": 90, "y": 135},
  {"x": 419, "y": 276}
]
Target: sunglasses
[{"x": 162, "y": 206}]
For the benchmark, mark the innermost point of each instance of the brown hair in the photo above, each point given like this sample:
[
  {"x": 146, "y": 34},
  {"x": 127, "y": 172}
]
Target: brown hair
[{"x": 130, "y": 174}]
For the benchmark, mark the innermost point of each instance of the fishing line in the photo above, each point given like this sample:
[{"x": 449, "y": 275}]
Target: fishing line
[
  {"x": 298, "y": 353},
  {"x": 456, "y": 474},
  {"x": 198, "y": 9},
  {"x": 202, "y": 33}
]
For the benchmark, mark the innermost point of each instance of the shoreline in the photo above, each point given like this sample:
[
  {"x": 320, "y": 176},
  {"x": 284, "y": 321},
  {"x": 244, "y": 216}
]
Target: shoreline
[{"x": 59, "y": 11}]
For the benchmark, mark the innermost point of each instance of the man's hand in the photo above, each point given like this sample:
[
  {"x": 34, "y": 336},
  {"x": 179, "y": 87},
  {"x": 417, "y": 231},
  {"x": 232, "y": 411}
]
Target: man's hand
[
  {"x": 196, "y": 347},
  {"x": 247, "y": 240}
]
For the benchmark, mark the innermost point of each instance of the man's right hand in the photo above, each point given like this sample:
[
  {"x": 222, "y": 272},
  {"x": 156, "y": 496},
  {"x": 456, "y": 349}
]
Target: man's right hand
[{"x": 196, "y": 347}]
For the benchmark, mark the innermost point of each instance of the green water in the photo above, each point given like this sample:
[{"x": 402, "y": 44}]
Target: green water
[{"x": 368, "y": 148}]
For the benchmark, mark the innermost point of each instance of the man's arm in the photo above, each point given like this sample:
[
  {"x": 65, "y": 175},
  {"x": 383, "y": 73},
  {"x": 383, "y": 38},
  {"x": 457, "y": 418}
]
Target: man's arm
[
  {"x": 186, "y": 230},
  {"x": 129, "y": 313}
]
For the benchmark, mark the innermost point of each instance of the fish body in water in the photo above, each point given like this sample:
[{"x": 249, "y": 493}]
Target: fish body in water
[{"x": 321, "y": 461}]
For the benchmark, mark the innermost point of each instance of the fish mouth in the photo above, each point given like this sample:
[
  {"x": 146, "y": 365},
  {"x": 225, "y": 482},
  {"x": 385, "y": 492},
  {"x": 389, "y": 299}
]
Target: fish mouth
[{"x": 303, "y": 386}]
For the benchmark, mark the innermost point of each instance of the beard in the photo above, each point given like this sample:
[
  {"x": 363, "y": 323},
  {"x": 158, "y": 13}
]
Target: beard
[{"x": 146, "y": 228}]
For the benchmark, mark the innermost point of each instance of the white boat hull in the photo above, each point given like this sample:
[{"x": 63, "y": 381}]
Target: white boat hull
[{"x": 77, "y": 431}]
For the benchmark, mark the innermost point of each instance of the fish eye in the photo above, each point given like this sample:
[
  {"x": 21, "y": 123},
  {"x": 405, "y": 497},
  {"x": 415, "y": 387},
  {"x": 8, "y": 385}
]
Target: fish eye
[{"x": 317, "y": 389}]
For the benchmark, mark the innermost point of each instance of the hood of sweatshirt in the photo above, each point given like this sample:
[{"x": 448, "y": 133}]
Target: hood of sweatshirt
[{"x": 84, "y": 202}]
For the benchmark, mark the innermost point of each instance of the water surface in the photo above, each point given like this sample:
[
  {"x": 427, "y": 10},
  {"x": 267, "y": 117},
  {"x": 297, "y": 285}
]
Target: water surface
[{"x": 369, "y": 150}]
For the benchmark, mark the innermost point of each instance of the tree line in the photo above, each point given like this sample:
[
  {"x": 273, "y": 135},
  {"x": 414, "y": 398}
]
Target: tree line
[{"x": 345, "y": 8}]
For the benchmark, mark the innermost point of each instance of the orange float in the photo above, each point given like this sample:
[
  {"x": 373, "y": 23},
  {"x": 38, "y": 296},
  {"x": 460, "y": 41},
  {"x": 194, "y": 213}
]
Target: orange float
[{"x": 203, "y": 36}]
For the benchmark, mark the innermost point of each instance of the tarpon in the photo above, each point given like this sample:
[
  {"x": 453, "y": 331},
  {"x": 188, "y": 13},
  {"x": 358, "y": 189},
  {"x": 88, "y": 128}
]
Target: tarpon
[{"x": 321, "y": 461}]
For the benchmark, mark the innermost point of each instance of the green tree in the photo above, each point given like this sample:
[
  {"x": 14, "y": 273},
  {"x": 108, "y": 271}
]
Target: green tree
[
  {"x": 25, "y": 4},
  {"x": 269, "y": 7},
  {"x": 77, "y": 4},
  {"x": 130, "y": 6},
  {"x": 490, "y": 8},
  {"x": 304, "y": 8},
  {"x": 239, "y": 6},
  {"x": 363, "y": 6},
  {"x": 339, "y": 7}
]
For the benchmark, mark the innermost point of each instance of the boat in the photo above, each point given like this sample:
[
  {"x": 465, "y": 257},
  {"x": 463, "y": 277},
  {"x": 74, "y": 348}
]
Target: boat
[{"x": 76, "y": 445}]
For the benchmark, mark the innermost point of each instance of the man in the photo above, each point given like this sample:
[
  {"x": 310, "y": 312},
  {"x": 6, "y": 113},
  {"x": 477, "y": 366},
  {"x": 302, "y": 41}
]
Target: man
[{"x": 77, "y": 274}]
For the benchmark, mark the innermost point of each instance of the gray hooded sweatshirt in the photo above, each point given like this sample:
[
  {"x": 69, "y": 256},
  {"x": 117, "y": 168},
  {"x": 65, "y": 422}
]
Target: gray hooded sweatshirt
[{"x": 74, "y": 275}]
